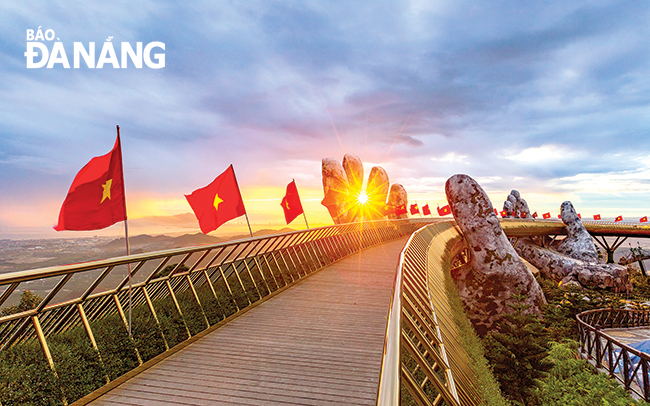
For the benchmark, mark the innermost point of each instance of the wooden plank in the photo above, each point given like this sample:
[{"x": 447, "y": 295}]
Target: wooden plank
[
  {"x": 283, "y": 381},
  {"x": 318, "y": 343}
]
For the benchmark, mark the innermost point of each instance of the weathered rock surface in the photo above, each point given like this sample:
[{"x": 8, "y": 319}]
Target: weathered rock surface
[
  {"x": 396, "y": 198},
  {"x": 515, "y": 206},
  {"x": 522, "y": 208},
  {"x": 354, "y": 171},
  {"x": 509, "y": 208},
  {"x": 576, "y": 262},
  {"x": 578, "y": 243},
  {"x": 335, "y": 187},
  {"x": 377, "y": 191},
  {"x": 496, "y": 272},
  {"x": 571, "y": 271}
]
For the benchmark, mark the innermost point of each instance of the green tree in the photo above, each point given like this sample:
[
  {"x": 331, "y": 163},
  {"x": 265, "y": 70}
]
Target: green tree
[
  {"x": 169, "y": 268},
  {"x": 565, "y": 302},
  {"x": 28, "y": 301},
  {"x": 640, "y": 283},
  {"x": 518, "y": 351}
]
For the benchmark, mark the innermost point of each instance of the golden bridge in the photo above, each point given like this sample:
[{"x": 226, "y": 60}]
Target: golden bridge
[{"x": 353, "y": 314}]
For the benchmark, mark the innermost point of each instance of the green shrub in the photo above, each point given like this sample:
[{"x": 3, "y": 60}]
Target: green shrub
[
  {"x": 488, "y": 385},
  {"x": 192, "y": 312},
  {"x": 77, "y": 363},
  {"x": 640, "y": 283},
  {"x": 573, "y": 382},
  {"x": 214, "y": 310},
  {"x": 147, "y": 336},
  {"x": 26, "y": 377},
  {"x": 117, "y": 349},
  {"x": 564, "y": 303},
  {"x": 171, "y": 321}
]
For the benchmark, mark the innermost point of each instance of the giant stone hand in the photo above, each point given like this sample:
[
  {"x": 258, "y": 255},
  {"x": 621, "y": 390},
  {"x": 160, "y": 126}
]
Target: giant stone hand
[{"x": 345, "y": 198}]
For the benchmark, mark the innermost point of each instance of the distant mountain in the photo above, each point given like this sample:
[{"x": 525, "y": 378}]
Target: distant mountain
[
  {"x": 147, "y": 243},
  {"x": 178, "y": 220},
  {"x": 136, "y": 241},
  {"x": 267, "y": 231},
  {"x": 188, "y": 240},
  {"x": 259, "y": 233}
]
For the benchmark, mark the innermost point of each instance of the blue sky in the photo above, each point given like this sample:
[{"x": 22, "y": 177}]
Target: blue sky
[{"x": 550, "y": 98}]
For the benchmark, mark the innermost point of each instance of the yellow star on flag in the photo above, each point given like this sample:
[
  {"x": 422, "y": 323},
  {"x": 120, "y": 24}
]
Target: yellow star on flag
[
  {"x": 107, "y": 190},
  {"x": 217, "y": 200}
]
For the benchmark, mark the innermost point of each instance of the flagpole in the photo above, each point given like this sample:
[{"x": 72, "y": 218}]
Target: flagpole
[
  {"x": 245, "y": 214},
  {"x": 249, "y": 225},
  {"x": 128, "y": 265},
  {"x": 303, "y": 209},
  {"x": 126, "y": 236}
]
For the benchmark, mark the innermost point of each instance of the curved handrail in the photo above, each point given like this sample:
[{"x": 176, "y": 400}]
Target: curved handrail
[
  {"x": 627, "y": 365},
  {"x": 423, "y": 351},
  {"x": 388, "y": 392}
]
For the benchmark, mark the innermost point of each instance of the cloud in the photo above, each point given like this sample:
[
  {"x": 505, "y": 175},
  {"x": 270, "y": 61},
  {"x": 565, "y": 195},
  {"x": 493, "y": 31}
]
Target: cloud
[{"x": 542, "y": 95}]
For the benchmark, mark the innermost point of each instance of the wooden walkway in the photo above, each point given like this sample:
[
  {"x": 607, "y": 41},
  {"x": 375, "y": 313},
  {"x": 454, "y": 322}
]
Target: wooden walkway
[{"x": 318, "y": 343}]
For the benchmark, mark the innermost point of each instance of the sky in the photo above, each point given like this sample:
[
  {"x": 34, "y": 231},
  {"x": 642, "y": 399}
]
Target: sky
[{"x": 550, "y": 98}]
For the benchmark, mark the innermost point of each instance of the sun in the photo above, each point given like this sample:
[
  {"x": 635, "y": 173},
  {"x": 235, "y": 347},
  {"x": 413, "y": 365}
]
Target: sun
[{"x": 362, "y": 197}]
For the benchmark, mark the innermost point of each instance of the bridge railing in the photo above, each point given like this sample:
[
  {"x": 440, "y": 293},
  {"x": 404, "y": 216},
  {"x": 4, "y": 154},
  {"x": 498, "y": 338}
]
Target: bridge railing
[
  {"x": 628, "y": 365},
  {"x": 174, "y": 295},
  {"x": 531, "y": 227},
  {"x": 423, "y": 352}
]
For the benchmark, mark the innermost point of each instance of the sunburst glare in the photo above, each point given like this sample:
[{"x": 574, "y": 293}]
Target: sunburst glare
[{"x": 362, "y": 197}]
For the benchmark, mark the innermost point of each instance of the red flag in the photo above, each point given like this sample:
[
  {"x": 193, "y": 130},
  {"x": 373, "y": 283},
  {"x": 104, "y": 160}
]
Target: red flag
[
  {"x": 425, "y": 210},
  {"x": 386, "y": 210},
  {"x": 559, "y": 216},
  {"x": 444, "y": 210},
  {"x": 291, "y": 203},
  {"x": 619, "y": 218},
  {"x": 496, "y": 212},
  {"x": 414, "y": 209},
  {"x": 546, "y": 215},
  {"x": 596, "y": 216},
  {"x": 96, "y": 197},
  {"x": 399, "y": 210},
  {"x": 579, "y": 216},
  {"x": 504, "y": 214},
  {"x": 534, "y": 215},
  {"x": 643, "y": 219},
  {"x": 218, "y": 202}
]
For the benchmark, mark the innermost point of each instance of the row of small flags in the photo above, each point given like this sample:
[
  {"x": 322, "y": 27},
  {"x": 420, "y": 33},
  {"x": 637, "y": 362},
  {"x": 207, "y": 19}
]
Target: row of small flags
[
  {"x": 547, "y": 215},
  {"x": 442, "y": 211},
  {"x": 445, "y": 210}
]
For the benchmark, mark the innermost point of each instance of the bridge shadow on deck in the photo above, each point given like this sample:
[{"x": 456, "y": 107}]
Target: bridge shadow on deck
[{"x": 319, "y": 342}]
